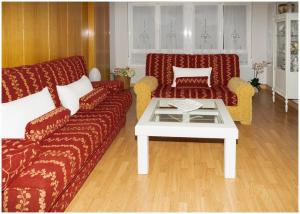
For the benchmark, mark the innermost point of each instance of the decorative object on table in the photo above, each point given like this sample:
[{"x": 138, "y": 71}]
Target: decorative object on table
[
  {"x": 186, "y": 105},
  {"x": 94, "y": 75},
  {"x": 286, "y": 8},
  {"x": 124, "y": 74},
  {"x": 258, "y": 68}
]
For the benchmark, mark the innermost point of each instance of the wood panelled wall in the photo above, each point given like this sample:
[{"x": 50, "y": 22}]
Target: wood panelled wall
[
  {"x": 41, "y": 31},
  {"x": 102, "y": 39},
  {"x": 99, "y": 40}
]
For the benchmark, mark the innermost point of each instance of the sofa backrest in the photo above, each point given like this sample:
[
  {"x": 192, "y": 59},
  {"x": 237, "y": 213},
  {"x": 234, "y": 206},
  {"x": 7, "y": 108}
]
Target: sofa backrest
[
  {"x": 224, "y": 66},
  {"x": 21, "y": 81}
]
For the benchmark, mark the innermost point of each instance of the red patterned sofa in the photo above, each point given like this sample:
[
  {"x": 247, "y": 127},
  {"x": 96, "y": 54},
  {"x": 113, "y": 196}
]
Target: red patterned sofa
[
  {"x": 59, "y": 164},
  {"x": 226, "y": 84}
]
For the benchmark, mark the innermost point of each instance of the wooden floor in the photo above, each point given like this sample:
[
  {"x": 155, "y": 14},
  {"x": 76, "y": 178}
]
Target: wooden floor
[{"x": 188, "y": 176}]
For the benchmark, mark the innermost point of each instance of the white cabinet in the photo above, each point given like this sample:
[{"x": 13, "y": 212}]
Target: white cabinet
[
  {"x": 285, "y": 57},
  {"x": 193, "y": 28}
]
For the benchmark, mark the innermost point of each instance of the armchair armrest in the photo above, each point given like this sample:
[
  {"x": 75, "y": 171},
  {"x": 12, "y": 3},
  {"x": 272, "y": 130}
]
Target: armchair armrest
[
  {"x": 240, "y": 87},
  {"x": 143, "y": 89},
  {"x": 244, "y": 92}
]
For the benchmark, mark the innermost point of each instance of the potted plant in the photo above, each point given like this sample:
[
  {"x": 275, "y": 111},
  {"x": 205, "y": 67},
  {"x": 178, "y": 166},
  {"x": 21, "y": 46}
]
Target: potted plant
[
  {"x": 124, "y": 74},
  {"x": 258, "y": 68}
]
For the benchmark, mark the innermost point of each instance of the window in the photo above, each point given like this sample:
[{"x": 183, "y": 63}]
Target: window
[
  {"x": 171, "y": 27},
  {"x": 206, "y": 27},
  {"x": 189, "y": 28}
]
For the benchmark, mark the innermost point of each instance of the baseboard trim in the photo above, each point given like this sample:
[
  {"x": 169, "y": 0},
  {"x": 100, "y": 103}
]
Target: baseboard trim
[{"x": 291, "y": 103}]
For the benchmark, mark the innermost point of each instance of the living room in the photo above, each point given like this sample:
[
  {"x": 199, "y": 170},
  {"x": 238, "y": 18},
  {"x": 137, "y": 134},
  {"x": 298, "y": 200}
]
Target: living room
[{"x": 149, "y": 106}]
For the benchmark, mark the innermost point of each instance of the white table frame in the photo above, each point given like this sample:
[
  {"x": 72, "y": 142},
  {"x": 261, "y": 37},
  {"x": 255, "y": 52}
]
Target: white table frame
[{"x": 226, "y": 130}]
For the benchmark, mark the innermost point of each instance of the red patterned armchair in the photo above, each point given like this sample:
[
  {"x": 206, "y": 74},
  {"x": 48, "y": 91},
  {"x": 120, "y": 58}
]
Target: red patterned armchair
[
  {"x": 225, "y": 82},
  {"x": 45, "y": 175}
]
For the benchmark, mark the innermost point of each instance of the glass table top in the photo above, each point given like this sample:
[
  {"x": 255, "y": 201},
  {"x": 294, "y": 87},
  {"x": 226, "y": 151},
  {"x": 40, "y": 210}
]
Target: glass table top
[{"x": 208, "y": 113}]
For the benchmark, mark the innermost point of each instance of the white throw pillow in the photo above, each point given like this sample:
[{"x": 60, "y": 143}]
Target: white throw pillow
[
  {"x": 16, "y": 114},
  {"x": 70, "y": 94},
  {"x": 68, "y": 98},
  {"x": 82, "y": 86},
  {"x": 191, "y": 72}
]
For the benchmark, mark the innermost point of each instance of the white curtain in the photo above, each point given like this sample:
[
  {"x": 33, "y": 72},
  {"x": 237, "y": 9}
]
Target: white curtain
[
  {"x": 171, "y": 27},
  {"x": 143, "y": 27},
  {"x": 235, "y": 27},
  {"x": 206, "y": 26}
]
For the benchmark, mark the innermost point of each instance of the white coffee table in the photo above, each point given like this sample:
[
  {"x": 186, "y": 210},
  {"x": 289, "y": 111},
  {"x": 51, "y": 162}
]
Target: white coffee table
[{"x": 212, "y": 120}]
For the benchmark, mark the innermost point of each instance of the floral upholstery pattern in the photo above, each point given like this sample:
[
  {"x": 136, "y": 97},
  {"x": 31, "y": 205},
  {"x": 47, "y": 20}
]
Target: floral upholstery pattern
[
  {"x": 191, "y": 82},
  {"x": 70, "y": 153},
  {"x": 27, "y": 80},
  {"x": 112, "y": 86},
  {"x": 17, "y": 154},
  {"x": 19, "y": 82},
  {"x": 215, "y": 92},
  {"x": 224, "y": 66},
  {"x": 46, "y": 124},
  {"x": 93, "y": 98}
]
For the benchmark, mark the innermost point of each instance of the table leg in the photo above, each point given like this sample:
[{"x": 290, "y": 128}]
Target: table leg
[
  {"x": 143, "y": 154},
  {"x": 229, "y": 158}
]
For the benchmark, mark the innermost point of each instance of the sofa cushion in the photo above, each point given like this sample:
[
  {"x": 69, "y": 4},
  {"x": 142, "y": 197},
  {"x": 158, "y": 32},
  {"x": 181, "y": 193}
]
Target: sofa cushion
[
  {"x": 43, "y": 126},
  {"x": 112, "y": 86},
  {"x": 92, "y": 99},
  {"x": 216, "y": 92},
  {"x": 224, "y": 66},
  {"x": 192, "y": 82},
  {"x": 19, "y": 82},
  {"x": 60, "y": 72},
  {"x": 25, "y": 80},
  {"x": 17, "y": 113},
  {"x": 191, "y": 72},
  {"x": 17, "y": 154}
]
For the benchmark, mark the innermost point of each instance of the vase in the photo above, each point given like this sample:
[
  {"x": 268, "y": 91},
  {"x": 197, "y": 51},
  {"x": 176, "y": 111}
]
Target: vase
[{"x": 125, "y": 80}]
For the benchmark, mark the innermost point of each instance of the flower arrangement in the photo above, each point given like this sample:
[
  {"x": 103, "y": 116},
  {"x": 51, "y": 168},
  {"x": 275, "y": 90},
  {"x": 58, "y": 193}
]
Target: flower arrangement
[
  {"x": 258, "y": 68},
  {"x": 125, "y": 72}
]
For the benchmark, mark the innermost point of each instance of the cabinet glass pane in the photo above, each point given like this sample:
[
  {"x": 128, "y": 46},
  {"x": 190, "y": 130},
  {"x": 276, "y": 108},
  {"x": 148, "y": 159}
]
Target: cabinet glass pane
[
  {"x": 235, "y": 27},
  {"x": 294, "y": 46},
  {"x": 280, "y": 45},
  {"x": 143, "y": 27},
  {"x": 171, "y": 27},
  {"x": 206, "y": 26}
]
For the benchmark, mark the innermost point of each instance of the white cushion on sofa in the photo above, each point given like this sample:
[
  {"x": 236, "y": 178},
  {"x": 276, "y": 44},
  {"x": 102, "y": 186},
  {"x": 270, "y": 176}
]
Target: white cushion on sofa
[
  {"x": 82, "y": 86},
  {"x": 191, "y": 72},
  {"x": 16, "y": 114},
  {"x": 70, "y": 94}
]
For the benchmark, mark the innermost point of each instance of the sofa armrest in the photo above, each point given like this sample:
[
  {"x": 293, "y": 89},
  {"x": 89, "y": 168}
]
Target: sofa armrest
[
  {"x": 244, "y": 92},
  {"x": 143, "y": 89}
]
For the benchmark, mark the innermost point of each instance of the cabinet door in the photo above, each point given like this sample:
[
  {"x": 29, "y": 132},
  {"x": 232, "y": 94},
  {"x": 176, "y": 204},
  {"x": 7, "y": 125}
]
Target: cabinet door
[
  {"x": 171, "y": 27},
  {"x": 206, "y": 27}
]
